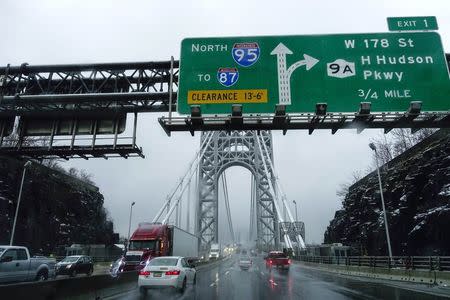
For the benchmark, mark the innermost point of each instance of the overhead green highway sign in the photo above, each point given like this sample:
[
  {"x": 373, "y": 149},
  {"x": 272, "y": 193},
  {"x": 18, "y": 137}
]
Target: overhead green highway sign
[
  {"x": 390, "y": 70},
  {"x": 412, "y": 23}
]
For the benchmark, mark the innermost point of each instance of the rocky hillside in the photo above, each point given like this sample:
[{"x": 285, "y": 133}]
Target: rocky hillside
[
  {"x": 57, "y": 210},
  {"x": 416, "y": 187}
]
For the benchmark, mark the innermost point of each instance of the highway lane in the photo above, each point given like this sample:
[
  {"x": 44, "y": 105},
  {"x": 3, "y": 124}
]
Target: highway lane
[{"x": 226, "y": 281}]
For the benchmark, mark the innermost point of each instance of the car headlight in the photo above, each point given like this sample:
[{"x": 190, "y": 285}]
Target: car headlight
[{"x": 68, "y": 266}]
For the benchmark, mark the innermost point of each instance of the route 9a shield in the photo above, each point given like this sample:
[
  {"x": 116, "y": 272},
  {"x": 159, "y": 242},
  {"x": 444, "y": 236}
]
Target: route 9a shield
[
  {"x": 227, "y": 76},
  {"x": 246, "y": 54}
]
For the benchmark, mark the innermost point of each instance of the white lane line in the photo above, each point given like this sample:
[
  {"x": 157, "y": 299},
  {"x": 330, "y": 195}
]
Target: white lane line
[
  {"x": 262, "y": 273},
  {"x": 212, "y": 284},
  {"x": 227, "y": 272}
]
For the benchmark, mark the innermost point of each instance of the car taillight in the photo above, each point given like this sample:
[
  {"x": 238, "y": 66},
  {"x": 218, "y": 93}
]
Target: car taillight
[
  {"x": 145, "y": 273},
  {"x": 173, "y": 272},
  {"x": 289, "y": 261},
  {"x": 270, "y": 261}
]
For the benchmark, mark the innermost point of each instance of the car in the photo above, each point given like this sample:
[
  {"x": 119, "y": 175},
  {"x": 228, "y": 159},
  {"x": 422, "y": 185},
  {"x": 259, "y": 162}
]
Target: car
[
  {"x": 277, "y": 259},
  {"x": 75, "y": 264},
  {"x": 245, "y": 262},
  {"x": 167, "y": 272},
  {"x": 116, "y": 267}
]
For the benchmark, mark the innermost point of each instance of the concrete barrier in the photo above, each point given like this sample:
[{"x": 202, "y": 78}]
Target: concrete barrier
[
  {"x": 418, "y": 276},
  {"x": 93, "y": 287}
]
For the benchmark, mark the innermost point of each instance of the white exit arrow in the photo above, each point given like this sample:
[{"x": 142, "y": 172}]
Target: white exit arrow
[{"x": 284, "y": 74}]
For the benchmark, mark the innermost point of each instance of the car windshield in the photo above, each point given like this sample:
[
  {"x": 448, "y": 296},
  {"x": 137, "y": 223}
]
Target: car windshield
[
  {"x": 70, "y": 259},
  {"x": 163, "y": 262},
  {"x": 139, "y": 245},
  {"x": 277, "y": 255},
  {"x": 244, "y": 258}
]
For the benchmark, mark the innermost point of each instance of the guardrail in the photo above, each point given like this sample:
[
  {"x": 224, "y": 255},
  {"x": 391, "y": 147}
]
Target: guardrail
[{"x": 427, "y": 263}]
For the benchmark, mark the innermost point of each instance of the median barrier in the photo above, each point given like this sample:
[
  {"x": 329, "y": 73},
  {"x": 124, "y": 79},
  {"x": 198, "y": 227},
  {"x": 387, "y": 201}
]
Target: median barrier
[{"x": 92, "y": 287}]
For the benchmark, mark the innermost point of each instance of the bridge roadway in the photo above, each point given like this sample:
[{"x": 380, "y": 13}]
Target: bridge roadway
[{"x": 226, "y": 281}]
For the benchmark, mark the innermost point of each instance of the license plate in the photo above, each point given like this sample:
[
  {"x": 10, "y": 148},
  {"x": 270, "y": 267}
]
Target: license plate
[{"x": 157, "y": 274}]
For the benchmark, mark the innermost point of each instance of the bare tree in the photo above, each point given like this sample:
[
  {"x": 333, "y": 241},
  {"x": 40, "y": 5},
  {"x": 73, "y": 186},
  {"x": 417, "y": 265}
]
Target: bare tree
[
  {"x": 73, "y": 172},
  {"x": 343, "y": 188},
  {"x": 398, "y": 141},
  {"x": 85, "y": 176},
  {"x": 388, "y": 146}
]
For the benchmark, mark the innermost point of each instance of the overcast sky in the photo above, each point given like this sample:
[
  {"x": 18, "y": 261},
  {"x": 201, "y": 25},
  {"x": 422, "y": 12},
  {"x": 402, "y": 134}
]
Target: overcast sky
[{"x": 310, "y": 167}]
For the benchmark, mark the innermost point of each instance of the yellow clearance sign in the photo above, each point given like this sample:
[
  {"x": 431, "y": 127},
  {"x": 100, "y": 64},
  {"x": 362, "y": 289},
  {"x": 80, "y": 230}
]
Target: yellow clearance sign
[{"x": 227, "y": 96}]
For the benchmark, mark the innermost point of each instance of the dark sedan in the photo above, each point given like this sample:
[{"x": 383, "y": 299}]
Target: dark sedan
[{"x": 73, "y": 265}]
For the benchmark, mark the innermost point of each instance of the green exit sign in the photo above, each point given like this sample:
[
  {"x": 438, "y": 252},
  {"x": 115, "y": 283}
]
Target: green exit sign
[
  {"x": 412, "y": 23},
  {"x": 387, "y": 69}
]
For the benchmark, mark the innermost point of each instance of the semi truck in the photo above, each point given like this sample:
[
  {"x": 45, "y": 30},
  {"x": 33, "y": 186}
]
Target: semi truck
[
  {"x": 151, "y": 240},
  {"x": 214, "y": 251}
]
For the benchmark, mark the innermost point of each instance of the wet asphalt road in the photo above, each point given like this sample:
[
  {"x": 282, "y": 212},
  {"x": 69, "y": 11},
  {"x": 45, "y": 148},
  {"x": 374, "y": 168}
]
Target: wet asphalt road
[{"x": 226, "y": 281}]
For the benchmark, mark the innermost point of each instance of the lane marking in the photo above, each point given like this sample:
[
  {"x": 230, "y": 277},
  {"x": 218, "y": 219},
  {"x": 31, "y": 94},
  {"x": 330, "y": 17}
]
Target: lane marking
[
  {"x": 227, "y": 272},
  {"x": 262, "y": 273},
  {"x": 212, "y": 284}
]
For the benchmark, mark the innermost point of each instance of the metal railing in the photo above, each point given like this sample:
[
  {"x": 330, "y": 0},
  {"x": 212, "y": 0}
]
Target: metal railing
[{"x": 428, "y": 263}]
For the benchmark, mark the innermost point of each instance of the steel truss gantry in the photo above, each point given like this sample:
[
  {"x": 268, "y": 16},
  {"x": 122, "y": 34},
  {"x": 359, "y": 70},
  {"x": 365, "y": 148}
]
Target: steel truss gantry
[
  {"x": 119, "y": 87},
  {"x": 80, "y": 93},
  {"x": 236, "y": 148}
]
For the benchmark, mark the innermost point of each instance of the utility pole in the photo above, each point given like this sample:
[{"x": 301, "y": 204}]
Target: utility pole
[
  {"x": 129, "y": 222},
  {"x": 296, "y": 212},
  {"x": 386, "y": 226},
  {"x": 27, "y": 164}
]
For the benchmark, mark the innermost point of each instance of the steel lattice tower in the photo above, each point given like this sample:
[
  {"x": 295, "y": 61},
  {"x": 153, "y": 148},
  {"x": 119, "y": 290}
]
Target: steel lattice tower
[{"x": 235, "y": 148}]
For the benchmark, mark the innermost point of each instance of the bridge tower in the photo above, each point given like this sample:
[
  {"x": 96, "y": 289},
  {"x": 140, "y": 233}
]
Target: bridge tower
[{"x": 236, "y": 148}]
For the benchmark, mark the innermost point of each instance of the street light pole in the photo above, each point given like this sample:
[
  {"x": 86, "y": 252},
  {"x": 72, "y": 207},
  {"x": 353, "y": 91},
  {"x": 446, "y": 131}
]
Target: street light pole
[
  {"x": 27, "y": 164},
  {"x": 386, "y": 226},
  {"x": 296, "y": 213},
  {"x": 129, "y": 222}
]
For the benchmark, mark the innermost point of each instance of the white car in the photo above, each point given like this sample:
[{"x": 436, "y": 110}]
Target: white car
[
  {"x": 166, "y": 272},
  {"x": 245, "y": 262}
]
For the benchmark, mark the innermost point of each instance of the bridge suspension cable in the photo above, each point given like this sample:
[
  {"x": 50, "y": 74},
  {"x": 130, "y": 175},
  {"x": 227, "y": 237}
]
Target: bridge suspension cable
[
  {"x": 300, "y": 240},
  {"x": 252, "y": 209},
  {"x": 287, "y": 239},
  {"x": 188, "y": 174},
  {"x": 227, "y": 205}
]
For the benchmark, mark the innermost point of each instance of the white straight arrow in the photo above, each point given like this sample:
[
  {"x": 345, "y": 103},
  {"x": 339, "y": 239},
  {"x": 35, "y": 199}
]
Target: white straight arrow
[
  {"x": 284, "y": 87},
  {"x": 284, "y": 74}
]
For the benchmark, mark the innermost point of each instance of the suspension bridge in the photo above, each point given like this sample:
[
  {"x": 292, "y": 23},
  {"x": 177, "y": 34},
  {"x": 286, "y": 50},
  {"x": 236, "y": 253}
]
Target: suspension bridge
[{"x": 270, "y": 216}]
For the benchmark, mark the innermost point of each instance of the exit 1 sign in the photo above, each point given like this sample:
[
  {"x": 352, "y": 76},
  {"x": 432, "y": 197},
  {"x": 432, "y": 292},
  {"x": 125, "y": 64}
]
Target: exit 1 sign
[{"x": 412, "y": 23}]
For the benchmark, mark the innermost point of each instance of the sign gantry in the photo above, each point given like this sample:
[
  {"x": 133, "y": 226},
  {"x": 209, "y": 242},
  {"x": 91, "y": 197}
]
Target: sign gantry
[{"x": 366, "y": 80}]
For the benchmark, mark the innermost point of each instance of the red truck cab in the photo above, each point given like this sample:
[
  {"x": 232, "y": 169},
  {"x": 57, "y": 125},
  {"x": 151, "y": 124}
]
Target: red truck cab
[
  {"x": 148, "y": 240},
  {"x": 277, "y": 259}
]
